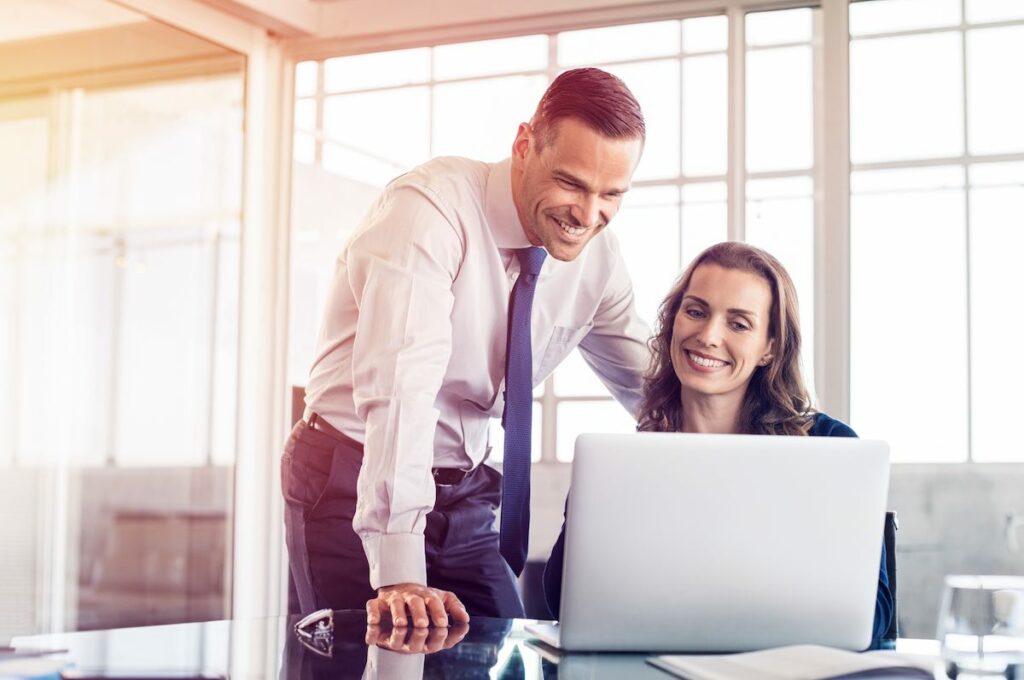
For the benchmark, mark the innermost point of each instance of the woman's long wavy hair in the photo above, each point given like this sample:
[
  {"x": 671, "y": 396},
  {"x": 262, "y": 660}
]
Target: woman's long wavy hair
[{"x": 776, "y": 401}]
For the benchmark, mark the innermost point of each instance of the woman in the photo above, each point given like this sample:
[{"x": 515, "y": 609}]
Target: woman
[{"x": 726, "y": 359}]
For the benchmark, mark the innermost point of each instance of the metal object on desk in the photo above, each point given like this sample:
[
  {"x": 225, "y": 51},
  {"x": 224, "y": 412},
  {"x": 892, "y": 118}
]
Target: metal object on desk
[{"x": 316, "y": 632}]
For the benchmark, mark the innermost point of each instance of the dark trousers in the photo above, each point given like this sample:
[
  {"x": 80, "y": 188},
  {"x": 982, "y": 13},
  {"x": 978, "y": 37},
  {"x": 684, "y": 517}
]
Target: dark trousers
[{"x": 328, "y": 565}]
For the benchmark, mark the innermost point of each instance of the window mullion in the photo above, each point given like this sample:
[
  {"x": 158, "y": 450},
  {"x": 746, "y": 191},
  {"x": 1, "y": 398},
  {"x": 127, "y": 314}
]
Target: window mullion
[
  {"x": 737, "y": 190},
  {"x": 548, "y": 401},
  {"x": 832, "y": 215},
  {"x": 967, "y": 224},
  {"x": 319, "y": 136}
]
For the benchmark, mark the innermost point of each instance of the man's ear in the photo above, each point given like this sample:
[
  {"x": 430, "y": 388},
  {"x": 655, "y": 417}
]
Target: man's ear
[{"x": 523, "y": 143}]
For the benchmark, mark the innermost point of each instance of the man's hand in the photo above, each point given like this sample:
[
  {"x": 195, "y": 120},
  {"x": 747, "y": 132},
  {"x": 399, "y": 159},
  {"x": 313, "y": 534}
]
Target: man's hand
[
  {"x": 423, "y": 605},
  {"x": 416, "y": 640}
]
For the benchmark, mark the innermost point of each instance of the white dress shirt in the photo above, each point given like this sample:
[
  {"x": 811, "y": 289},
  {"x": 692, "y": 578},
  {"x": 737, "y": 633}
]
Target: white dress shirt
[{"x": 410, "y": 360}]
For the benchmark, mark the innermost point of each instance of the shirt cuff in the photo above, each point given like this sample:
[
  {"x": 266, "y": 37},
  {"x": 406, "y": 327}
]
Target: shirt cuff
[
  {"x": 383, "y": 663},
  {"x": 396, "y": 558}
]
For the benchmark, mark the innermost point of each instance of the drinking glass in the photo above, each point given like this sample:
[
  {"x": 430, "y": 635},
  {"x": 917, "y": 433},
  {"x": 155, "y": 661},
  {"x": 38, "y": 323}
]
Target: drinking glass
[{"x": 981, "y": 625}]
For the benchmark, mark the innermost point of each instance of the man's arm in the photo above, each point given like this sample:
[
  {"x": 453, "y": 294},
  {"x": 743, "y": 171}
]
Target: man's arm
[
  {"x": 400, "y": 269},
  {"x": 616, "y": 347}
]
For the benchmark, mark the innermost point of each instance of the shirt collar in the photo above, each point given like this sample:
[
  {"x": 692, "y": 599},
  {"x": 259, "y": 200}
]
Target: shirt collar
[{"x": 500, "y": 209}]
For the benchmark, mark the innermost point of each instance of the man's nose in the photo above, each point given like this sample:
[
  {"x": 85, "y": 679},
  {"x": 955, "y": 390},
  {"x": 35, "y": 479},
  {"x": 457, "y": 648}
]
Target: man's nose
[{"x": 587, "y": 211}]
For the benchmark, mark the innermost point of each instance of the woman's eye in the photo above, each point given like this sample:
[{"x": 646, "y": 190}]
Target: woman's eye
[
  {"x": 694, "y": 313},
  {"x": 740, "y": 326}
]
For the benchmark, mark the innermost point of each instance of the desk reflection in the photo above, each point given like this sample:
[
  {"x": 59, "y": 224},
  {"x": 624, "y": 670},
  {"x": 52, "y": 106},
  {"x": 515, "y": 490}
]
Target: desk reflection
[
  {"x": 466, "y": 651},
  {"x": 269, "y": 649}
]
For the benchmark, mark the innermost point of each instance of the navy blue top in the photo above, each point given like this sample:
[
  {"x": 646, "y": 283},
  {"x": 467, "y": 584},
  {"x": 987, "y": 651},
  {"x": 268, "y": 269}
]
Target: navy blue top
[{"x": 824, "y": 426}]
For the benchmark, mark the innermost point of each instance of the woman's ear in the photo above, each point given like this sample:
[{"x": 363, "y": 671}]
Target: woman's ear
[{"x": 766, "y": 358}]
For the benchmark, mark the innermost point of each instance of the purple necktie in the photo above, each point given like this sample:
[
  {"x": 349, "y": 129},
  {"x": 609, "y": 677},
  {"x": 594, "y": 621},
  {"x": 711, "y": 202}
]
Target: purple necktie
[{"x": 518, "y": 416}]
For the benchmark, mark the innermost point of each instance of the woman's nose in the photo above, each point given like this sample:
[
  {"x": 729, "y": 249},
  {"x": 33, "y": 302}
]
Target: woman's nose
[{"x": 710, "y": 335}]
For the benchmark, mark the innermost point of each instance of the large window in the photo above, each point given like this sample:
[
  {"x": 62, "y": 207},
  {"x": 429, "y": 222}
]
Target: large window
[
  {"x": 734, "y": 116},
  {"x": 937, "y": 186},
  {"x": 361, "y": 120}
]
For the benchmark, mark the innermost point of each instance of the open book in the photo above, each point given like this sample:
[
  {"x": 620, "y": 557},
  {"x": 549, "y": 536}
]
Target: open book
[{"x": 799, "y": 662}]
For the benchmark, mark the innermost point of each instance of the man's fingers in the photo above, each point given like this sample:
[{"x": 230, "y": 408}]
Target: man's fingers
[
  {"x": 414, "y": 641},
  {"x": 373, "y": 635},
  {"x": 373, "y": 612},
  {"x": 397, "y": 638},
  {"x": 455, "y": 607},
  {"x": 398, "y": 612},
  {"x": 455, "y": 635},
  {"x": 435, "y": 641},
  {"x": 417, "y": 610},
  {"x": 437, "y": 613},
  {"x": 417, "y": 606}
]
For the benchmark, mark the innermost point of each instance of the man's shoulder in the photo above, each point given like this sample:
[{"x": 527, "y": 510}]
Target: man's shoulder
[
  {"x": 441, "y": 198},
  {"x": 452, "y": 179}
]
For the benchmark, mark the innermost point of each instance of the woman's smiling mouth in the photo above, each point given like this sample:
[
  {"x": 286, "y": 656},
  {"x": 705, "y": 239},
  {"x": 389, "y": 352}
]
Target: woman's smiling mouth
[{"x": 704, "y": 363}]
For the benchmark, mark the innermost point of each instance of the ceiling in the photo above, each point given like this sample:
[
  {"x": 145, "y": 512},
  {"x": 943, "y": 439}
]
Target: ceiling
[{"x": 23, "y": 20}]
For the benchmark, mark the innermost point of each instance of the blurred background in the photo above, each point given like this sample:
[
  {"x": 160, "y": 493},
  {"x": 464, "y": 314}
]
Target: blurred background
[{"x": 177, "y": 178}]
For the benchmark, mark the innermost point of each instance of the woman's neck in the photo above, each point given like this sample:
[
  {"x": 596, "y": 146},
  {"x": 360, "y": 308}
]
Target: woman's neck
[{"x": 711, "y": 413}]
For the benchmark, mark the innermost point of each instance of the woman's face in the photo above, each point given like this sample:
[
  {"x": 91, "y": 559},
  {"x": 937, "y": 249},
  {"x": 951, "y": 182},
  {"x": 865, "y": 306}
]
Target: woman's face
[{"x": 720, "y": 334}]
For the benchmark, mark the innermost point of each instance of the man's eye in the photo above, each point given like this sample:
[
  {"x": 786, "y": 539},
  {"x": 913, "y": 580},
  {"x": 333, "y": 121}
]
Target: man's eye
[{"x": 566, "y": 184}]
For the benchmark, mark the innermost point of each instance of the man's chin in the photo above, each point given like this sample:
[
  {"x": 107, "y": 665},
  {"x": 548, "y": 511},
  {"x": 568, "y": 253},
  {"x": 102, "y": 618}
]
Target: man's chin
[
  {"x": 563, "y": 253},
  {"x": 562, "y": 250}
]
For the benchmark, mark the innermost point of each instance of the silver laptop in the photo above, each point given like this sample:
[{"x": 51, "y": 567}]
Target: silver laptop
[{"x": 719, "y": 543}]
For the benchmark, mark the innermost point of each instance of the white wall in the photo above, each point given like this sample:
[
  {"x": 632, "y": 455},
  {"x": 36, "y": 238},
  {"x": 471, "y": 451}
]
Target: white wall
[{"x": 952, "y": 520}]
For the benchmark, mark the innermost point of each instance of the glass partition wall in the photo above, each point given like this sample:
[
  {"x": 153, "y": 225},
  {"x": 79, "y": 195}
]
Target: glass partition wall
[{"x": 120, "y": 213}]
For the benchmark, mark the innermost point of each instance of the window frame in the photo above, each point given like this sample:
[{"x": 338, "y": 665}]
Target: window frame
[
  {"x": 830, "y": 172},
  {"x": 965, "y": 161},
  {"x": 735, "y": 177}
]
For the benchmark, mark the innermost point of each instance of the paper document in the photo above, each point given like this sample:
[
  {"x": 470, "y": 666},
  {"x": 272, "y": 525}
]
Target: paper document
[{"x": 799, "y": 662}]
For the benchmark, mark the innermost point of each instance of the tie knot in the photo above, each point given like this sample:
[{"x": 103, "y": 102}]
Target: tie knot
[{"x": 531, "y": 259}]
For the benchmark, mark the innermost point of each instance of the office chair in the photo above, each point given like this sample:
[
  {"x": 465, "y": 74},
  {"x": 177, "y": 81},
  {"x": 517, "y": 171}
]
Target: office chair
[{"x": 891, "y": 525}]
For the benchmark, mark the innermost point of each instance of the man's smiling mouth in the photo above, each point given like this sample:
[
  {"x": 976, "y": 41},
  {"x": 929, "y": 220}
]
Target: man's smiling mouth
[{"x": 568, "y": 228}]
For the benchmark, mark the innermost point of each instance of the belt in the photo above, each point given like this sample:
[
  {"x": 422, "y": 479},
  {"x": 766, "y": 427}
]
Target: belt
[
  {"x": 449, "y": 476},
  {"x": 316, "y": 422},
  {"x": 443, "y": 476}
]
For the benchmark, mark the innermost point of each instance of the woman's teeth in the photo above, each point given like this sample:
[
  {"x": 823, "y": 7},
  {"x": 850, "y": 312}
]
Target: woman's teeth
[{"x": 707, "y": 363}]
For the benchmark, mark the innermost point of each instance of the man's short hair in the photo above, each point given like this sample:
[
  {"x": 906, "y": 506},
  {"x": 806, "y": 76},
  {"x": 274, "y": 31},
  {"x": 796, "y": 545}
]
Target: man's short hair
[{"x": 596, "y": 98}]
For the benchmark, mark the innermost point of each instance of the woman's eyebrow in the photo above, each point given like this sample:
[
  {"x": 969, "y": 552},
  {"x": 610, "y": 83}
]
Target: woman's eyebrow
[
  {"x": 731, "y": 310},
  {"x": 745, "y": 312}
]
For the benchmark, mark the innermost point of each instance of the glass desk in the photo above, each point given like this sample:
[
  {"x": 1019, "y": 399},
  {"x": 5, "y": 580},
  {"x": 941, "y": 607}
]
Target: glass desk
[{"x": 269, "y": 648}]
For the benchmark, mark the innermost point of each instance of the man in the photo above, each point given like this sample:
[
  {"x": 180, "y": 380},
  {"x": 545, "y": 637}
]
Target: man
[{"x": 387, "y": 503}]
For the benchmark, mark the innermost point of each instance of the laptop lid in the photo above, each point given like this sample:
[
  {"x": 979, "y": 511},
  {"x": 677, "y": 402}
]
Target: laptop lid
[{"x": 699, "y": 543}]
